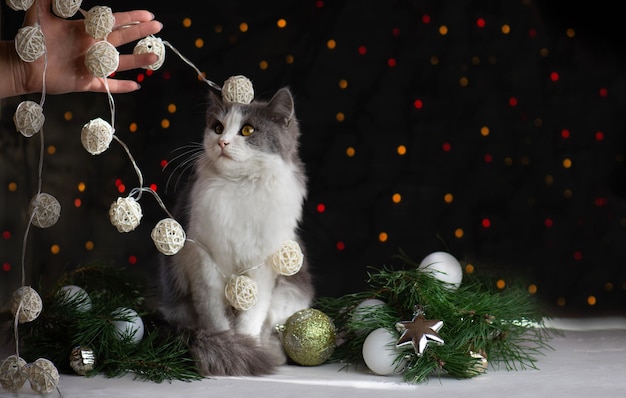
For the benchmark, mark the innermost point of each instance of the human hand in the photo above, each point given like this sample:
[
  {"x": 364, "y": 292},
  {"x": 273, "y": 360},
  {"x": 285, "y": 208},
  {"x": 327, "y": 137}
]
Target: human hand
[{"x": 66, "y": 44}]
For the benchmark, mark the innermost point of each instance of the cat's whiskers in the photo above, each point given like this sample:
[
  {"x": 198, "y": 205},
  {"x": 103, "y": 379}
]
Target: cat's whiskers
[{"x": 189, "y": 157}]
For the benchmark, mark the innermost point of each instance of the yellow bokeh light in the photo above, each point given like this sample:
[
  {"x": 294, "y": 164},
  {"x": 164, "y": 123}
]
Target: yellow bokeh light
[
  {"x": 448, "y": 198},
  {"x": 484, "y": 131},
  {"x": 89, "y": 245},
  {"x": 568, "y": 193},
  {"x": 544, "y": 52},
  {"x": 506, "y": 29},
  {"x": 561, "y": 301},
  {"x": 567, "y": 163},
  {"x": 463, "y": 81},
  {"x": 133, "y": 127},
  {"x": 401, "y": 150},
  {"x": 508, "y": 161},
  {"x": 609, "y": 286},
  {"x": 165, "y": 123},
  {"x": 458, "y": 233},
  {"x": 186, "y": 22},
  {"x": 383, "y": 236},
  {"x": 350, "y": 151},
  {"x": 263, "y": 65},
  {"x": 434, "y": 60},
  {"x": 55, "y": 249},
  {"x": 532, "y": 289},
  {"x": 340, "y": 117},
  {"x": 51, "y": 149},
  {"x": 289, "y": 59},
  {"x": 68, "y": 116},
  {"x": 469, "y": 268},
  {"x": 396, "y": 198},
  {"x": 343, "y": 83},
  {"x": 171, "y": 108},
  {"x": 443, "y": 30},
  {"x": 331, "y": 44},
  {"x": 12, "y": 186},
  {"x": 218, "y": 28},
  {"x": 199, "y": 43},
  {"x": 81, "y": 187},
  {"x": 571, "y": 33},
  {"x": 243, "y": 27},
  {"x": 591, "y": 300},
  {"x": 475, "y": 60},
  {"x": 549, "y": 180},
  {"x": 281, "y": 23},
  {"x": 500, "y": 284}
]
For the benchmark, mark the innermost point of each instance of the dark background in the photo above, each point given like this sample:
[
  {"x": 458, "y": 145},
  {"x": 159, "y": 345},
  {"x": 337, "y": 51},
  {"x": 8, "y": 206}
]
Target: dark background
[{"x": 559, "y": 230}]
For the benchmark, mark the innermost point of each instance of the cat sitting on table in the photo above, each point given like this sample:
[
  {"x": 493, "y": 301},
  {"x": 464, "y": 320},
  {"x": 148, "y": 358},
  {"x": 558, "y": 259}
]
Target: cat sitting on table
[{"x": 243, "y": 201}]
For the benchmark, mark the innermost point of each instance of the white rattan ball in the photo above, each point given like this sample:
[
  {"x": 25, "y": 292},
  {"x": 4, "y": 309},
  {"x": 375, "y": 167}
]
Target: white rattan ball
[
  {"x": 45, "y": 210},
  {"x": 43, "y": 376},
  {"x": 99, "y": 22},
  {"x": 241, "y": 292},
  {"x": 26, "y": 304},
  {"x": 28, "y": 118},
  {"x": 20, "y": 5},
  {"x": 238, "y": 89},
  {"x": 13, "y": 373},
  {"x": 66, "y": 8},
  {"x": 151, "y": 44},
  {"x": 288, "y": 260},
  {"x": 168, "y": 236},
  {"x": 125, "y": 214},
  {"x": 96, "y": 136},
  {"x": 102, "y": 59},
  {"x": 30, "y": 43}
]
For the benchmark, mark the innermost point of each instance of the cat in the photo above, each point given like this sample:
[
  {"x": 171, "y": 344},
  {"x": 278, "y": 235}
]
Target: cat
[{"x": 243, "y": 200}]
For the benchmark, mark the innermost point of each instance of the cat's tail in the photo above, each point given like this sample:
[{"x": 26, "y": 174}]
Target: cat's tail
[{"x": 230, "y": 354}]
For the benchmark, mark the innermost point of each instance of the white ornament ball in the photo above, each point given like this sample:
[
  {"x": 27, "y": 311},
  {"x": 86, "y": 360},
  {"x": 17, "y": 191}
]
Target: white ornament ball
[
  {"x": 168, "y": 236},
  {"x": 28, "y": 118},
  {"x": 288, "y": 260},
  {"x": 151, "y": 44},
  {"x": 102, "y": 59},
  {"x": 96, "y": 136},
  {"x": 125, "y": 214},
  {"x": 77, "y": 295},
  {"x": 65, "y": 8},
  {"x": 128, "y": 324},
  {"x": 13, "y": 373},
  {"x": 26, "y": 304},
  {"x": 380, "y": 353},
  {"x": 30, "y": 43},
  {"x": 363, "y": 310},
  {"x": 43, "y": 376},
  {"x": 241, "y": 292},
  {"x": 238, "y": 89},
  {"x": 45, "y": 210},
  {"x": 20, "y": 5},
  {"x": 99, "y": 22},
  {"x": 444, "y": 267}
]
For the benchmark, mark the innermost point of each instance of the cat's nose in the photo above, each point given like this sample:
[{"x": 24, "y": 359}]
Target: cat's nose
[{"x": 222, "y": 143}]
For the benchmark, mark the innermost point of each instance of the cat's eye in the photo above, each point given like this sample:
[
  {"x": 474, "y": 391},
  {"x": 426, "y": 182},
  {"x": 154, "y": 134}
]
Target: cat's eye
[
  {"x": 218, "y": 127},
  {"x": 246, "y": 130}
]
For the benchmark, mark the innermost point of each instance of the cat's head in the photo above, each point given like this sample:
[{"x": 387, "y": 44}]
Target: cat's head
[{"x": 239, "y": 136}]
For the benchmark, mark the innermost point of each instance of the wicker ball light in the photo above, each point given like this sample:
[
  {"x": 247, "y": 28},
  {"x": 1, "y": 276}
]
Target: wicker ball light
[
  {"x": 45, "y": 210},
  {"x": 151, "y": 44},
  {"x": 96, "y": 136},
  {"x": 241, "y": 292},
  {"x": 125, "y": 214},
  {"x": 26, "y": 304},
  {"x": 168, "y": 236},
  {"x": 28, "y": 118},
  {"x": 30, "y": 43}
]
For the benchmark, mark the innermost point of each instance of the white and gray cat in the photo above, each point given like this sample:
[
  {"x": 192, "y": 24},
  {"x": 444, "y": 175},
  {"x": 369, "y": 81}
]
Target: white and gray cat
[{"x": 243, "y": 201}]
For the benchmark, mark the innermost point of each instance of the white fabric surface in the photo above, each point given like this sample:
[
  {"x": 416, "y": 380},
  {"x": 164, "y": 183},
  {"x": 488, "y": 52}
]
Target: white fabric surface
[{"x": 587, "y": 360}]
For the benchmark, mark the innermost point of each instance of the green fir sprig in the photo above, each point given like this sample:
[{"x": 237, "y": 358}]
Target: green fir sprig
[
  {"x": 65, "y": 324},
  {"x": 505, "y": 326}
]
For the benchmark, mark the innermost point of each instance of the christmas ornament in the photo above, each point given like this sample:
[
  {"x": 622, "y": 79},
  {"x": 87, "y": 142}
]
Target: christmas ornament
[
  {"x": 30, "y": 43},
  {"x": 481, "y": 364},
  {"x": 45, "y": 210},
  {"x": 20, "y": 5},
  {"x": 288, "y": 260},
  {"x": 13, "y": 373},
  {"x": 238, "y": 89},
  {"x": 82, "y": 360},
  {"x": 125, "y": 214},
  {"x": 102, "y": 59},
  {"x": 363, "y": 310},
  {"x": 168, "y": 236},
  {"x": 28, "y": 118},
  {"x": 128, "y": 324},
  {"x": 96, "y": 136},
  {"x": 26, "y": 304},
  {"x": 78, "y": 295},
  {"x": 380, "y": 352},
  {"x": 43, "y": 376},
  {"x": 418, "y": 332},
  {"x": 99, "y": 22},
  {"x": 65, "y": 8},
  {"x": 241, "y": 292},
  {"x": 308, "y": 337},
  {"x": 444, "y": 267},
  {"x": 151, "y": 44}
]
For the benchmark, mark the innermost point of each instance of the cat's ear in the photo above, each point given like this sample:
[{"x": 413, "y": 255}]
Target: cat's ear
[{"x": 281, "y": 106}]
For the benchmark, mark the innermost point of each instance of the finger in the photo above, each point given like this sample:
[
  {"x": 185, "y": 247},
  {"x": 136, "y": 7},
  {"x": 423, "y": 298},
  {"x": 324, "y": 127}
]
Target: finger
[
  {"x": 127, "y": 17},
  {"x": 130, "y": 33},
  {"x": 128, "y": 61},
  {"x": 115, "y": 86}
]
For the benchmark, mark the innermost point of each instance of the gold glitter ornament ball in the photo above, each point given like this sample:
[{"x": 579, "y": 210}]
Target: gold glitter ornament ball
[
  {"x": 309, "y": 337},
  {"x": 82, "y": 360},
  {"x": 13, "y": 373},
  {"x": 43, "y": 376},
  {"x": 26, "y": 304}
]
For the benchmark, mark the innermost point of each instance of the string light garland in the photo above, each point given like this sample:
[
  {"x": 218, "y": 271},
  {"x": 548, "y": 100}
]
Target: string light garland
[
  {"x": 13, "y": 373},
  {"x": 28, "y": 118},
  {"x": 30, "y": 43},
  {"x": 96, "y": 136},
  {"x": 45, "y": 210},
  {"x": 20, "y": 5},
  {"x": 99, "y": 22},
  {"x": 66, "y": 8}
]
